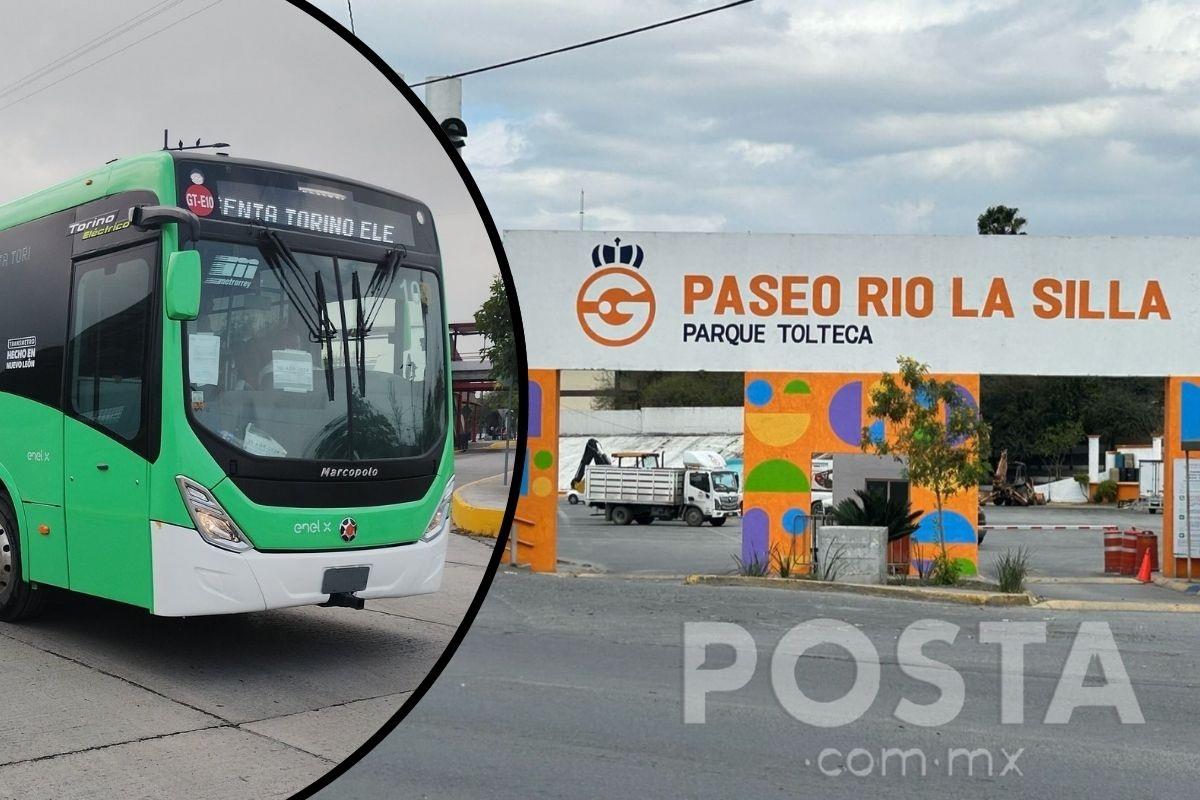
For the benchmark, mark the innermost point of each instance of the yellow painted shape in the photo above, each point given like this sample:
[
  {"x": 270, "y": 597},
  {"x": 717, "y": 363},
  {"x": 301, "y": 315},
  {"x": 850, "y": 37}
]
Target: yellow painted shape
[{"x": 777, "y": 430}]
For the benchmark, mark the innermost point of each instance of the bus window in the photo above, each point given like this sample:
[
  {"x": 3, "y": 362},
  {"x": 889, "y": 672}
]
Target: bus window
[{"x": 108, "y": 341}]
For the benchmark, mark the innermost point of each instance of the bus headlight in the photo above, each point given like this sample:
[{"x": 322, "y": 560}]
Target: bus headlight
[
  {"x": 440, "y": 515},
  {"x": 214, "y": 525}
]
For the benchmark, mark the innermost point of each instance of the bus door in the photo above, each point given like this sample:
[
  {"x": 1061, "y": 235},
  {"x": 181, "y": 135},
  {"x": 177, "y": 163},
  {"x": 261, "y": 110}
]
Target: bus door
[{"x": 105, "y": 425}]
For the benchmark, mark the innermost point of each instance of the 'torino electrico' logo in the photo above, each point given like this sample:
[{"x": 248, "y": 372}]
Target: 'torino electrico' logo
[
  {"x": 349, "y": 529},
  {"x": 615, "y": 304}
]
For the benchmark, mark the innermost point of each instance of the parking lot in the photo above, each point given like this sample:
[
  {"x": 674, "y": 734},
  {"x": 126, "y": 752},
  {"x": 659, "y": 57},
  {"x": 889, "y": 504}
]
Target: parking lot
[{"x": 103, "y": 700}]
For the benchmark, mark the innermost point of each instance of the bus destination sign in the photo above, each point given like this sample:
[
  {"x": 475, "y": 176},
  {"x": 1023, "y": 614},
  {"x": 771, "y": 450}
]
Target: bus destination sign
[{"x": 290, "y": 201}]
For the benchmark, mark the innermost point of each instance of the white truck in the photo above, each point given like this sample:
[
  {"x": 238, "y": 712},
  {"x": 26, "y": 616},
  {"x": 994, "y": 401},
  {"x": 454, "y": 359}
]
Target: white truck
[{"x": 700, "y": 491}]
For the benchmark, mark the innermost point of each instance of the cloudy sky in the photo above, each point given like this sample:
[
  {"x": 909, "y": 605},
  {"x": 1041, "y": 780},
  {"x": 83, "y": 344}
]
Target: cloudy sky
[
  {"x": 259, "y": 74},
  {"x": 888, "y": 116}
]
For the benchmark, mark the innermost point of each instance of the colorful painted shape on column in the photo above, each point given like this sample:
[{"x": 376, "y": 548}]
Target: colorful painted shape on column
[
  {"x": 791, "y": 417},
  {"x": 536, "y": 526}
]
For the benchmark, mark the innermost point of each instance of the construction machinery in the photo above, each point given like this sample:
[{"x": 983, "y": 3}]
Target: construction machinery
[{"x": 1018, "y": 491}]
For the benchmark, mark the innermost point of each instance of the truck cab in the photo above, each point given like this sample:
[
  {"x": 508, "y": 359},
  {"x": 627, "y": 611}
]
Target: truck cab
[{"x": 716, "y": 493}]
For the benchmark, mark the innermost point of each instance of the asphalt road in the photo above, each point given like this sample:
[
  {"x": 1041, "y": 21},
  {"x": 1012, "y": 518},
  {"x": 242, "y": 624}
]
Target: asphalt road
[
  {"x": 572, "y": 687},
  {"x": 105, "y": 701}
]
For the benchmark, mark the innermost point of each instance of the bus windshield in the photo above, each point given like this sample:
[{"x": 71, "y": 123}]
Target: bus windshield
[{"x": 367, "y": 381}]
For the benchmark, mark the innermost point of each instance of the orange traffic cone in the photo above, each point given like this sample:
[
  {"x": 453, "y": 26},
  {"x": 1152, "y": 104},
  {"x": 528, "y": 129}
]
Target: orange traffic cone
[{"x": 1144, "y": 573}]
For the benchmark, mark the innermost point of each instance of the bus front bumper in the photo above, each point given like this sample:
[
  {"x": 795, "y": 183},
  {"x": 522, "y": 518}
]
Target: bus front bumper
[{"x": 193, "y": 578}]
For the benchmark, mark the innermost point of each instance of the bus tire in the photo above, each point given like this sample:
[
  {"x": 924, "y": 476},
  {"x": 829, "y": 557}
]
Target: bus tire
[
  {"x": 19, "y": 600},
  {"x": 717, "y": 521},
  {"x": 693, "y": 516},
  {"x": 621, "y": 515}
]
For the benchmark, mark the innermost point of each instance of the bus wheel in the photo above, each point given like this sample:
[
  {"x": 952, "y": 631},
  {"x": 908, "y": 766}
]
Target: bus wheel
[
  {"x": 18, "y": 600},
  {"x": 717, "y": 521},
  {"x": 693, "y": 517},
  {"x": 621, "y": 515}
]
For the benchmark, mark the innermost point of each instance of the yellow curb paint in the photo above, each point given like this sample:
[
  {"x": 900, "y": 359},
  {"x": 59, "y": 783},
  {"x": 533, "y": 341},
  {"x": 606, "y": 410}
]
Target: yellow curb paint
[
  {"x": 479, "y": 520},
  {"x": 1118, "y": 605},
  {"x": 903, "y": 592}
]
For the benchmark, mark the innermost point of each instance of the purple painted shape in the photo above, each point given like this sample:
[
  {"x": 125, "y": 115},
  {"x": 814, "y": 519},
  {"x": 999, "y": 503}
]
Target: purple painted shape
[
  {"x": 845, "y": 413},
  {"x": 756, "y": 532},
  {"x": 535, "y": 409},
  {"x": 968, "y": 400}
]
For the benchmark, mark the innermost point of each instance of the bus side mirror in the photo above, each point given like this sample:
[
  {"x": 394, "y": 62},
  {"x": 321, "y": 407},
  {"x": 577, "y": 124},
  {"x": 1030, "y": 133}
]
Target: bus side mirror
[{"x": 183, "y": 286}]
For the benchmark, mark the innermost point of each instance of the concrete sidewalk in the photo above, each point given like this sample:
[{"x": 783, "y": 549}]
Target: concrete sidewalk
[{"x": 478, "y": 508}]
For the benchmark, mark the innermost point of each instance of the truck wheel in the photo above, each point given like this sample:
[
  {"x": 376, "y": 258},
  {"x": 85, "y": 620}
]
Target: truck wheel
[
  {"x": 644, "y": 519},
  {"x": 18, "y": 600},
  {"x": 717, "y": 521},
  {"x": 621, "y": 515},
  {"x": 693, "y": 517},
  {"x": 573, "y": 499}
]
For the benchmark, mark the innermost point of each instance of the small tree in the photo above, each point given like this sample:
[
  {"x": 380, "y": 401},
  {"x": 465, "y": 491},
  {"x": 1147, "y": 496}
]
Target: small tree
[
  {"x": 1055, "y": 442},
  {"x": 1001, "y": 220},
  {"x": 494, "y": 319},
  {"x": 929, "y": 422}
]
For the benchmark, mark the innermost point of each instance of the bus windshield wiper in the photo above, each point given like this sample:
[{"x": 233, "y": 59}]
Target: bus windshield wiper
[
  {"x": 309, "y": 303},
  {"x": 378, "y": 290},
  {"x": 360, "y": 334},
  {"x": 328, "y": 333}
]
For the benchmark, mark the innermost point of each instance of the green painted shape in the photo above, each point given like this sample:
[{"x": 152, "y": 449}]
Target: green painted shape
[
  {"x": 777, "y": 475},
  {"x": 544, "y": 459},
  {"x": 797, "y": 387},
  {"x": 966, "y": 566}
]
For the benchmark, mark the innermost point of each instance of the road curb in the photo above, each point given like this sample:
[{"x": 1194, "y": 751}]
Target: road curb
[
  {"x": 473, "y": 519},
  {"x": 970, "y": 598},
  {"x": 1177, "y": 585},
  {"x": 1117, "y": 605}
]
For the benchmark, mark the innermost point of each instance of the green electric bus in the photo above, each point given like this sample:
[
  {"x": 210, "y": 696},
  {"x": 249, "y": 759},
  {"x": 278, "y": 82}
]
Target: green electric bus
[{"x": 224, "y": 388}]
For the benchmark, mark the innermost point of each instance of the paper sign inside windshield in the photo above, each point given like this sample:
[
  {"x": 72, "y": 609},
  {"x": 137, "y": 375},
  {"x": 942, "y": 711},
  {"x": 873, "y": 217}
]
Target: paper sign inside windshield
[
  {"x": 204, "y": 359},
  {"x": 292, "y": 370}
]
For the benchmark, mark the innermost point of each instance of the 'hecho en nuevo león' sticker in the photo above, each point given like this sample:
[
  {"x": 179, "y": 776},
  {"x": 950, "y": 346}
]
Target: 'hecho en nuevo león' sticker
[{"x": 21, "y": 353}]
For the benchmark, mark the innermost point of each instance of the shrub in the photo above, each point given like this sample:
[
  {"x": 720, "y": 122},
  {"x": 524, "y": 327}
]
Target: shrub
[
  {"x": 944, "y": 571},
  {"x": 1083, "y": 480},
  {"x": 1106, "y": 492},
  {"x": 756, "y": 567},
  {"x": 1012, "y": 569},
  {"x": 876, "y": 511}
]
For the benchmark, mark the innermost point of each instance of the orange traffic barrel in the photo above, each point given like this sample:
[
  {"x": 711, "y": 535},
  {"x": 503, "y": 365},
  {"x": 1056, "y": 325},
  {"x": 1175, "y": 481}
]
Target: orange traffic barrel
[
  {"x": 1129, "y": 549},
  {"x": 1114, "y": 548}
]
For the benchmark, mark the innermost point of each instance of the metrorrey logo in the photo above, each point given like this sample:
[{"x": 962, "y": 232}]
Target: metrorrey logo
[
  {"x": 615, "y": 305},
  {"x": 232, "y": 271}
]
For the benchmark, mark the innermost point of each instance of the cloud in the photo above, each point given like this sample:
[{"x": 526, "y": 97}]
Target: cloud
[
  {"x": 911, "y": 216},
  {"x": 1161, "y": 48},
  {"x": 759, "y": 154},
  {"x": 495, "y": 144},
  {"x": 829, "y": 115}
]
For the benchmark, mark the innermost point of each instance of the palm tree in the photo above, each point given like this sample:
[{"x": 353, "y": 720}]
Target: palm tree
[
  {"x": 1001, "y": 220},
  {"x": 875, "y": 510}
]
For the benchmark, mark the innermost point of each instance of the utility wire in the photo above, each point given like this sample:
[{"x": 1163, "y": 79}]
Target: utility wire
[
  {"x": 113, "y": 54},
  {"x": 92, "y": 44},
  {"x": 580, "y": 45},
  {"x": 350, "y": 7}
]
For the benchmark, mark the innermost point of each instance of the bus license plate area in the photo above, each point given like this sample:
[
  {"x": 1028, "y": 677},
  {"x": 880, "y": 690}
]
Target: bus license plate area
[{"x": 342, "y": 580}]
